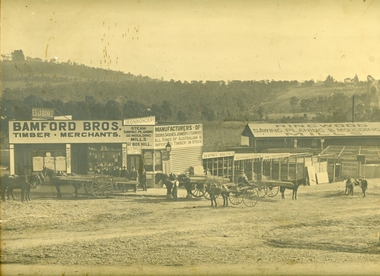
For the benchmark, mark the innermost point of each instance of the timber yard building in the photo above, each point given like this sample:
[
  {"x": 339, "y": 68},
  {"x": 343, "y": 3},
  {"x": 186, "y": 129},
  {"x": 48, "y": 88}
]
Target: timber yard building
[
  {"x": 267, "y": 151},
  {"x": 82, "y": 146}
]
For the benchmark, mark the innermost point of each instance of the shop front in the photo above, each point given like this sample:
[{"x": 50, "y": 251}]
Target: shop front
[{"x": 82, "y": 147}]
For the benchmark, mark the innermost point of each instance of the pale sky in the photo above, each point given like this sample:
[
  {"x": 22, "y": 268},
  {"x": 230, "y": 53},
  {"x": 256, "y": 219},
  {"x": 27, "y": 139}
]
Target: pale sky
[{"x": 201, "y": 40}]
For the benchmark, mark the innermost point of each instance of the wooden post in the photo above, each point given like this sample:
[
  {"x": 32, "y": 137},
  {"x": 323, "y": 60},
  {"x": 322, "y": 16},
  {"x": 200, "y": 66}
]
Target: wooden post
[
  {"x": 334, "y": 167},
  {"x": 271, "y": 169},
  {"x": 295, "y": 170},
  {"x": 279, "y": 168},
  {"x": 68, "y": 158},
  {"x": 287, "y": 175},
  {"x": 233, "y": 169},
  {"x": 262, "y": 168},
  {"x": 253, "y": 169},
  {"x": 11, "y": 159}
]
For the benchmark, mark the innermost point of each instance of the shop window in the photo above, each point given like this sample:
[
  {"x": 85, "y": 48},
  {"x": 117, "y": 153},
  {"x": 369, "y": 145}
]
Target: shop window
[{"x": 104, "y": 156}]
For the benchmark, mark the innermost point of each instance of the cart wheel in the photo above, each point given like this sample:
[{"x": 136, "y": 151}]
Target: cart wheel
[
  {"x": 198, "y": 190},
  {"x": 102, "y": 187},
  {"x": 272, "y": 191},
  {"x": 262, "y": 189},
  {"x": 236, "y": 197},
  {"x": 250, "y": 197},
  {"x": 87, "y": 187}
]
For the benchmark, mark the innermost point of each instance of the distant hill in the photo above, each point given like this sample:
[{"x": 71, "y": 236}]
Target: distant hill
[
  {"x": 196, "y": 100},
  {"x": 36, "y": 72}
]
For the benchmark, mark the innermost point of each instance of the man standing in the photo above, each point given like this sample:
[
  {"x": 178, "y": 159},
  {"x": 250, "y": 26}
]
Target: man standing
[
  {"x": 142, "y": 179},
  {"x": 134, "y": 176}
]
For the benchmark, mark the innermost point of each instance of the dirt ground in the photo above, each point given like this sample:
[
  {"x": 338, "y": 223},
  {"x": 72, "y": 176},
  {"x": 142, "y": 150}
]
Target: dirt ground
[{"x": 324, "y": 232}]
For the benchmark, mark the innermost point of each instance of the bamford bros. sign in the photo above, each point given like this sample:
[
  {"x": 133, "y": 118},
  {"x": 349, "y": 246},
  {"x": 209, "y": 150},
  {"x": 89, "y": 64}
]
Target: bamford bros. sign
[{"x": 148, "y": 136}]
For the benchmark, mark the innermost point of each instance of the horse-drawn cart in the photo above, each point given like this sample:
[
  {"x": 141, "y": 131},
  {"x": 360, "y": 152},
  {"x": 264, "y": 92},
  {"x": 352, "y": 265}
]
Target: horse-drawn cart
[
  {"x": 97, "y": 186},
  {"x": 199, "y": 183}
]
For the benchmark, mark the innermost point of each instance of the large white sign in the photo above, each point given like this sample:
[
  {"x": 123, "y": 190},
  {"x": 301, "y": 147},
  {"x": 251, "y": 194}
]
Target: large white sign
[
  {"x": 138, "y": 136},
  {"x": 68, "y": 132},
  {"x": 317, "y": 129},
  {"x": 178, "y": 135}
]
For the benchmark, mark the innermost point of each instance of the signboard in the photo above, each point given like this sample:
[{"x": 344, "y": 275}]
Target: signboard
[
  {"x": 322, "y": 178},
  {"x": 43, "y": 113},
  {"x": 74, "y": 132},
  {"x": 49, "y": 163},
  {"x": 189, "y": 135},
  {"x": 315, "y": 129},
  {"x": 38, "y": 163},
  {"x": 311, "y": 175},
  {"x": 63, "y": 118},
  {"x": 140, "y": 121},
  {"x": 133, "y": 150},
  {"x": 138, "y": 137},
  {"x": 60, "y": 163},
  {"x": 57, "y": 132},
  {"x": 217, "y": 154},
  {"x": 349, "y": 168}
]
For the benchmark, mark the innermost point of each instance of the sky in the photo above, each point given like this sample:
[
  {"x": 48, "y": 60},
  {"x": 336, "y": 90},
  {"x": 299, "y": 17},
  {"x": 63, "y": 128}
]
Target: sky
[{"x": 201, "y": 40}]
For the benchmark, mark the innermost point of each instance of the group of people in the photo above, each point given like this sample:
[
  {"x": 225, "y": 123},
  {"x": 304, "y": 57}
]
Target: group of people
[{"x": 134, "y": 175}]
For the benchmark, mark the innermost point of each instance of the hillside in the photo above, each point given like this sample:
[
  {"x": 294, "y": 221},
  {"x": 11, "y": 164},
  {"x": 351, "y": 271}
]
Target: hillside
[{"x": 71, "y": 87}]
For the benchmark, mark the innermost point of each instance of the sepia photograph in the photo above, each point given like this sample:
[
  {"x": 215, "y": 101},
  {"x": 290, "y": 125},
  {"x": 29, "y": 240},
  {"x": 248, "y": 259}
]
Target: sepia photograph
[{"x": 166, "y": 137}]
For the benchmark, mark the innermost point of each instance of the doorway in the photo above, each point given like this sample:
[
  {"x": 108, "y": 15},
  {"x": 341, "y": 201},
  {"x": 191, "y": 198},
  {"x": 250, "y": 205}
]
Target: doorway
[{"x": 133, "y": 161}]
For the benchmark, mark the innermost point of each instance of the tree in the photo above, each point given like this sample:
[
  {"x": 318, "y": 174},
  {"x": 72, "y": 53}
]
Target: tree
[
  {"x": 157, "y": 111},
  {"x": 181, "y": 116},
  {"x": 18, "y": 55},
  {"x": 208, "y": 114},
  {"x": 167, "y": 112},
  {"x": 113, "y": 110},
  {"x": 356, "y": 79},
  {"x": 329, "y": 81},
  {"x": 261, "y": 111},
  {"x": 293, "y": 102}
]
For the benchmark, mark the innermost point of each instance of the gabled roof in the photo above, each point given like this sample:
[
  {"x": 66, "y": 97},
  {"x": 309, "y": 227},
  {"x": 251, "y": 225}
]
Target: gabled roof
[{"x": 312, "y": 130}]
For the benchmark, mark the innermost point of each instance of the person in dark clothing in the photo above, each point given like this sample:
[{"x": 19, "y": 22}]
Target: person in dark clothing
[
  {"x": 134, "y": 176},
  {"x": 142, "y": 179}
]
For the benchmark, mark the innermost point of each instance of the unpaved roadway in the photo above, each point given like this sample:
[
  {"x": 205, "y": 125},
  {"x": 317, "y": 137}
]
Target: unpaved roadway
[{"x": 323, "y": 232}]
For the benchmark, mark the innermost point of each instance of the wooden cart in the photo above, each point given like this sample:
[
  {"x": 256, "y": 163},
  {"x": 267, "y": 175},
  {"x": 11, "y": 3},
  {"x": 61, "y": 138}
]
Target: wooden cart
[{"x": 97, "y": 186}]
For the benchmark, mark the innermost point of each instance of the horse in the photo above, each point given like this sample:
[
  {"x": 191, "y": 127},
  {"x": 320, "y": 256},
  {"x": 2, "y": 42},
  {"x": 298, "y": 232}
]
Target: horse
[
  {"x": 294, "y": 188},
  {"x": 185, "y": 181},
  {"x": 352, "y": 182},
  {"x": 57, "y": 182},
  {"x": 11, "y": 182},
  {"x": 214, "y": 189},
  {"x": 170, "y": 182}
]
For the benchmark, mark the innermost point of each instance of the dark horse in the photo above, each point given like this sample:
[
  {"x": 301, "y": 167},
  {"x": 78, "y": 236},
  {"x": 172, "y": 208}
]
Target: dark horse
[
  {"x": 57, "y": 182},
  {"x": 215, "y": 189},
  {"x": 11, "y": 182},
  {"x": 352, "y": 182},
  {"x": 294, "y": 188},
  {"x": 170, "y": 182}
]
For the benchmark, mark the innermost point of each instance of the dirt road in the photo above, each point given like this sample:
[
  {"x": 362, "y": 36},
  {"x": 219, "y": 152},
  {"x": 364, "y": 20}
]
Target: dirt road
[{"x": 323, "y": 232}]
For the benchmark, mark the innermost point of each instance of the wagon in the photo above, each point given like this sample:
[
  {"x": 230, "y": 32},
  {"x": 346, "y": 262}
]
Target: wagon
[
  {"x": 248, "y": 194},
  {"x": 270, "y": 188},
  {"x": 199, "y": 184},
  {"x": 97, "y": 186}
]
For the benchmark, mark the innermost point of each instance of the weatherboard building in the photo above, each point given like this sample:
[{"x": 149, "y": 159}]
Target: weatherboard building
[
  {"x": 311, "y": 136},
  {"x": 81, "y": 146}
]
